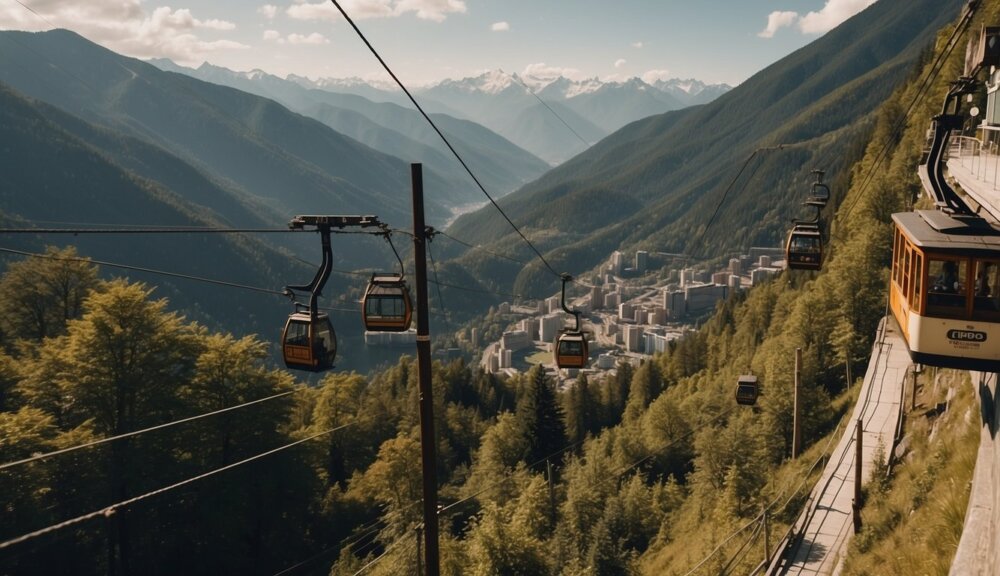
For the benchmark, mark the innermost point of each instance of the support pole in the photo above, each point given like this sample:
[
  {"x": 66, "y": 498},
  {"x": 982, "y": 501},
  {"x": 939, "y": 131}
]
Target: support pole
[
  {"x": 796, "y": 407},
  {"x": 858, "y": 460},
  {"x": 913, "y": 391},
  {"x": 427, "y": 442},
  {"x": 420, "y": 535},
  {"x": 767, "y": 537}
]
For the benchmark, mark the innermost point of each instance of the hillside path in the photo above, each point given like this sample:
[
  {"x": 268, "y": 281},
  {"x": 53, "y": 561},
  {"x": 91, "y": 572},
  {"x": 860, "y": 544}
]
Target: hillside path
[{"x": 822, "y": 531}]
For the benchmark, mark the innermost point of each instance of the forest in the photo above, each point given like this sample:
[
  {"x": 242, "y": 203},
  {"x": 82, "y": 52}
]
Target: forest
[{"x": 643, "y": 471}]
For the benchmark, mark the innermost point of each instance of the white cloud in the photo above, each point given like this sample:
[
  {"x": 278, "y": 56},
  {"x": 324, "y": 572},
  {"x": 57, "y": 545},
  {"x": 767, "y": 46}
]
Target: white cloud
[
  {"x": 268, "y": 11},
  {"x": 827, "y": 18},
  {"x": 500, "y": 27},
  {"x": 273, "y": 36},
  {"x": 543, "y": 71},
  {"x": 314, "y": 38},
  {"x": 636, "y": 44},
  {"x": 435, "y": 10},
  {"x": 777, "y": 20},
  {"x": 619, "y": 62},
  {"x": 831, "y": 15},
  {"x": 651, "y": 76},
  {"x": 126, "y": 26}
]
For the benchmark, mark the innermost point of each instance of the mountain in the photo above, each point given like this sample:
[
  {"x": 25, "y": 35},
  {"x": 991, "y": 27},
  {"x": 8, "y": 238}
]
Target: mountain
[
  {"x": 91, "y": 137},
  {"x": 553, "y": 119},
  {"x": 657, "y": 183},
  {"x": 395, "y": 130},
  {"x": 586, "y": 110},
  {"x": 292, "y": 163}
]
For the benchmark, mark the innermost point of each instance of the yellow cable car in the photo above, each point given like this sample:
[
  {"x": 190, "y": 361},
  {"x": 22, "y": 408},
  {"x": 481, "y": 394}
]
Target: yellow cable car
[
  {"x": 387, "y": 306},
  {"x": 944, "y": 289},
  {"x": 308, "y": 342}
]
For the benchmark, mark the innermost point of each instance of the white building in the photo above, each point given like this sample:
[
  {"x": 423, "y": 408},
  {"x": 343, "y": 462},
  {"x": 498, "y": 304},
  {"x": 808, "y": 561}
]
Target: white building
[
  {"x": 633, "y": 338},
  {"x": 549, "y": 327},
  {"x": 515, "y": 340}
]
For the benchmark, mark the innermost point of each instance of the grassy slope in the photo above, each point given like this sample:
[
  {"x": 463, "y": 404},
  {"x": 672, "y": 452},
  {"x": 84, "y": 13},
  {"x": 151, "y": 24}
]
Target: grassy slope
[{"x": 912, "y": 521}]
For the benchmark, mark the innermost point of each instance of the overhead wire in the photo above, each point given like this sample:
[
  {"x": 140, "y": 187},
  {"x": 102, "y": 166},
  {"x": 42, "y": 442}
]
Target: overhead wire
[
  {"x": 544, "y": 103},
  {"x": 113, "y": 508},
  {"x": 725, "y": 193},
  {"x": 454, "y": 152},
  {"x": 270, "y": 291},
  {"x": 384, "y": 553},
  {"x": 925, "y": 84},
  {"x": 170, "y": 424},
  {"x": 480, "y": 247}
]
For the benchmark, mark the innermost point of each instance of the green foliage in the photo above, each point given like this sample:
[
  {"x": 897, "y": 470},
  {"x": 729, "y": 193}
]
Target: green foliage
[{"x": 38, "y": 297}]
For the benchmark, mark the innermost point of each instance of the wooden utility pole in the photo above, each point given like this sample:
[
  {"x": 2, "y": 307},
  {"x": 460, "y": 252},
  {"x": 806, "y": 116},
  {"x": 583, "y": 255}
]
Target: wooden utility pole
[
  {"x": 767, "y": 536},
  {"x": 427, "y": 442},
  {"x": 858, "y": 460},
  {"x": 420, "y": 535},
  {"x": 796, "y": 406}
]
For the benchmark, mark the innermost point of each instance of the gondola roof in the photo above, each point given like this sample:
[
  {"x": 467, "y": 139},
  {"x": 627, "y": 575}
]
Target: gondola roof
[{"x": 935, "y": 230}]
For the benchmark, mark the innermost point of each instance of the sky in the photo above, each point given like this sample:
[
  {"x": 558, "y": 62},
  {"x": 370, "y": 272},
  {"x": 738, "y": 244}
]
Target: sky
[{"x": 426, "y": 41}]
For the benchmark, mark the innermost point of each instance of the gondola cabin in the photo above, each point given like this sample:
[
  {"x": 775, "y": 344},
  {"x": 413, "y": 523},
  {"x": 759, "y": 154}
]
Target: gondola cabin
[
  {"x": 571, "y": 350},
  {"x": 944, "y": 289},
  {"x": 747, "y": 390},
  {"x": 387, "y": 306},
  {"x": 804, "y": 248},
  {"x": 308, "y": 343}
]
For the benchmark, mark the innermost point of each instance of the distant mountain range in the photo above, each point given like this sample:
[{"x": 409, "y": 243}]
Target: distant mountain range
[
  {"x": 657, "y": 183},
  {"x": 554, "y": 119}
]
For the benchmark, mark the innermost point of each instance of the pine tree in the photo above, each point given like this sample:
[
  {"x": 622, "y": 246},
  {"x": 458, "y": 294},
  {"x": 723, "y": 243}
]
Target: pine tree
[{"x": 541, "y": 419}]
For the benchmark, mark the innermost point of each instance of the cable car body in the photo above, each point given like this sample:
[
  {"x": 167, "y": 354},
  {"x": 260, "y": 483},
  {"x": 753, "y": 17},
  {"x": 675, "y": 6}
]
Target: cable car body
[
  {"x": 572, "y": 350},
  {"x": 308, "y": 342},
  {"x": 804, "y": 247},
  {"x": 386, "y": 306},
  {"x": 944, "y": 290},
  {"x": 747, "y": 390}
]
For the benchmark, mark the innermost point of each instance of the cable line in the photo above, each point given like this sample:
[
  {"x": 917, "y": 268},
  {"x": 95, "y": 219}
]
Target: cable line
[
  {"x": 443, "y": 138},
  {"x": 143, "y": 431},
  {"x": 107, "y": 511},
  {"x": 544, "y": 103},
  {"x": 383, "y": 554},
  {"x": 480, "y": 247},
  {"x": 153, "y": 230},
  {"x": 932, "y": 74},
  {"x": 161, "y": 273},
  {"x": 725, "y": 193}
]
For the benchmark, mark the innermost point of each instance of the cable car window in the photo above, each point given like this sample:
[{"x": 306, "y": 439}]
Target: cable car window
[
  {"x": 906, "y": 274},
  {"x": 947, "y": 295},
  {"x": 805, "y": 244},
  {"x": 897, "y": 273},
  {"x": 571, "y": 347},
  {"x": 918, "y": 277},
  {"x": 985, "y": 290},
  {"x": 298, "y": 334}
]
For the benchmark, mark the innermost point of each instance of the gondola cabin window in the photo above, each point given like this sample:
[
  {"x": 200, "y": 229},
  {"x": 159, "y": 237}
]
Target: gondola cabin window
[
  {"x": 385, "y": 307},
  {"x": 298, "y": 334},
  {"x": 948, "y": 293},
  {"x": 985, "y": 288}
]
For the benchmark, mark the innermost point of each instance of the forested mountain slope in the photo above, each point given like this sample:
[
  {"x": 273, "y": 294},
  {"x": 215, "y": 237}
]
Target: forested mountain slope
[
  {"x": 293, "y": 163},
  {"x": 395, "y": 130},
  {"x": 655, "y": 183}
]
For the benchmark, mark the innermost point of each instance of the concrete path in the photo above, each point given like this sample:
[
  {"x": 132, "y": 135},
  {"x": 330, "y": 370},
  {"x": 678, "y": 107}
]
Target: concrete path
[{"x": 826, "y": 525}]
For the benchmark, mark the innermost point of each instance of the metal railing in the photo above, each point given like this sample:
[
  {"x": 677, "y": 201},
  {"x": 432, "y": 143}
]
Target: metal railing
[{"x": 982, "y": 159}]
